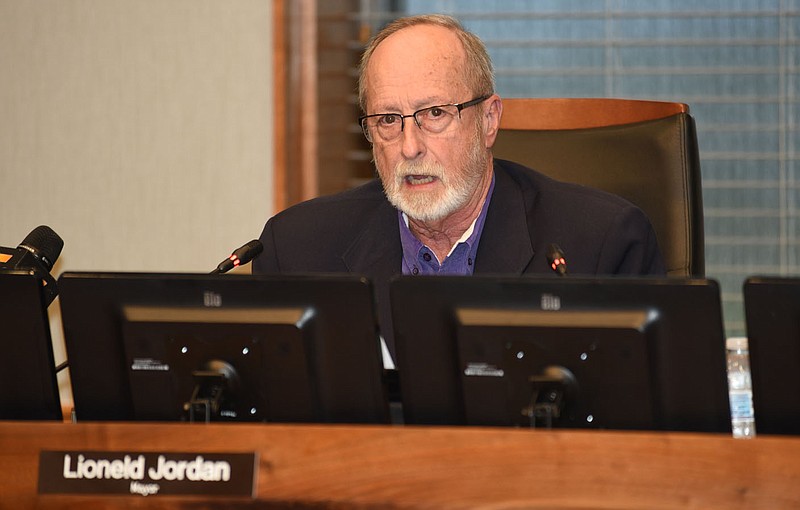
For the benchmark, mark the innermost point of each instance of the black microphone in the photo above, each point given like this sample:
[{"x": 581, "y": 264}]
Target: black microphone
[
  {"x": 44, "y": 244},
  {"x": 38, "y": 251},
  {"x": 240, "y": 256},
  {"x": 555, "y": 257}
]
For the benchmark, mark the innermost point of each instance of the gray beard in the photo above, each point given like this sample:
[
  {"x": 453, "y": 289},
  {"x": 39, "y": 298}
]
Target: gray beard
[{"x": 429, "y": 207}]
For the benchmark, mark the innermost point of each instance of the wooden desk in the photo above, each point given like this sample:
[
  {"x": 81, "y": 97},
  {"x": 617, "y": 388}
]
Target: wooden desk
[{"x": 308, "y": 466}]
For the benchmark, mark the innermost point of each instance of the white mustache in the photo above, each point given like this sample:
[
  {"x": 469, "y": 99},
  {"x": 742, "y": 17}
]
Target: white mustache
[{"x": 406, "y": 169}]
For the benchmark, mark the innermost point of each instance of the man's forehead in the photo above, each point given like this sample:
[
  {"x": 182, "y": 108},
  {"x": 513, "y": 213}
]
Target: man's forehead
[
  {"x": 420, "y": 63},
  {"x": 421, "y": 43}
]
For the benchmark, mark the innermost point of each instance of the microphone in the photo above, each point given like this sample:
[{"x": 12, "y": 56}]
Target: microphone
[
  {"x": 38, "y": 251},
  {"x": 555, "y": 257},
  {"x": 44, "y": 244},
  {"x": 240, "y": 256}
]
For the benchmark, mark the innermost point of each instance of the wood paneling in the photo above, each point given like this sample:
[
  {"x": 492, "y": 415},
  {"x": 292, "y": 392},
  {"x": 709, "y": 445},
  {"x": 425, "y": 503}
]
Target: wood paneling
[{"x": 313, "y": 466}]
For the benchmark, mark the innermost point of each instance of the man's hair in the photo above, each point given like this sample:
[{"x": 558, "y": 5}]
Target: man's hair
[{"x": 478, "y": 73}]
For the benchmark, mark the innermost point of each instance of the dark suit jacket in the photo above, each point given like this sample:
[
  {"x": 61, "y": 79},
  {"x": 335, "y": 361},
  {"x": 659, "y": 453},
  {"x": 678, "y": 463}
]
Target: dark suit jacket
[{"x": 357, "y": 232}]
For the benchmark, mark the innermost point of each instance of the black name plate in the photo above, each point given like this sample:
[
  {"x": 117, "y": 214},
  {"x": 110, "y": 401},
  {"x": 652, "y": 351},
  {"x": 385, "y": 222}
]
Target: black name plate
[{"x": 147, "y": 473}]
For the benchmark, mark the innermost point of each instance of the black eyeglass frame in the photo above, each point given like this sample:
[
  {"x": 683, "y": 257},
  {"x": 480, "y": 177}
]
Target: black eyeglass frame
[{"x": 459, "y": 107}]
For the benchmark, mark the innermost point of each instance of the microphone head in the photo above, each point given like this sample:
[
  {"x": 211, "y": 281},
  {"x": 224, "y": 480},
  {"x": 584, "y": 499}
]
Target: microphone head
[
  {"x": 44, "y": 244},
  {"x": 555, "y": 257},
  {"x": 240, "y": 256},
  {"x": 249, "y": 251}
]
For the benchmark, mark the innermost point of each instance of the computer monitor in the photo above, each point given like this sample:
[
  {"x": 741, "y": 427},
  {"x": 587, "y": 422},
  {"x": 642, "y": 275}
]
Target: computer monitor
[
  {"x": 234, "y": 347},
  {"x": 772, "y": 314},
  {"x": 615, "y": 353},
  {"x": 28, "y": 384}
]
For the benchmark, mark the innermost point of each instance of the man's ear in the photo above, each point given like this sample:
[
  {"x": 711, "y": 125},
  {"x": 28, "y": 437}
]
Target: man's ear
[{"x": 492, "y": 112}]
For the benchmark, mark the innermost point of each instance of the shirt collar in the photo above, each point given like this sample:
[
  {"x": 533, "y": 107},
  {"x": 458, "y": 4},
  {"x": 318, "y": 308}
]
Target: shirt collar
[{"x": 413, "y": 247}]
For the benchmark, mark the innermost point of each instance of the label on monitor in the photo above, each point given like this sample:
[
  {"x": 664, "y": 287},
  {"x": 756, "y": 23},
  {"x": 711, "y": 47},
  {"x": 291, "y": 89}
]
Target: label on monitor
[
  {"x": 481, "y": 369},
  {"x": 149, "y": 365},
  {"x": 147, "y": 473}
]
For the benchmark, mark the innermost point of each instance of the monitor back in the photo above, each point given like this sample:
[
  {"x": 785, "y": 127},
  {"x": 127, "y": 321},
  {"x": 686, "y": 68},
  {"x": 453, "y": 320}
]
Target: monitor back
[
  {"x": 292, "y": 348},
  {"x": 646, "y": 353},
  {"x": 772, "y": 313},
  {"x": 28, "y": 378}
]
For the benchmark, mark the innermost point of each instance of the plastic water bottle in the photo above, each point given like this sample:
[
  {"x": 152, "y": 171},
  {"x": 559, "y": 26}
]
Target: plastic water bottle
[{"x": 740, "y": 388}]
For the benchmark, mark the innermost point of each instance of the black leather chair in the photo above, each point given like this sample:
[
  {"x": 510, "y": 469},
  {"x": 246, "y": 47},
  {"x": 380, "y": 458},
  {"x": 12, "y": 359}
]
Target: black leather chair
[{"x": 644, "y": 151}]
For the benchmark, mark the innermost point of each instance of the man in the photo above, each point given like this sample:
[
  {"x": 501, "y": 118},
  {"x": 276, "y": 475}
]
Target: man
[{"x": 443, "y": 205}]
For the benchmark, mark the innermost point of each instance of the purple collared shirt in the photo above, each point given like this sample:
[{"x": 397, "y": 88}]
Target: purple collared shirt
[{"x": 419, "y": 259}]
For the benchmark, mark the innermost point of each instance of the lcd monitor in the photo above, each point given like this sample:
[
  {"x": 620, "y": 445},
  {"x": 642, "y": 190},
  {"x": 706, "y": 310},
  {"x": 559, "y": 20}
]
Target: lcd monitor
[
  {"x": 28, "y": 383},
  {"x": 613, "y": 353},
  {"x": 772, "y": 314},
  {"x": 189, "y": 347}
]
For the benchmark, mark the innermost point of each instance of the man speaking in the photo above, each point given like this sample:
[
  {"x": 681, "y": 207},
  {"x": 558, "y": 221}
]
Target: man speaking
[{"x": 443, "y": 204}]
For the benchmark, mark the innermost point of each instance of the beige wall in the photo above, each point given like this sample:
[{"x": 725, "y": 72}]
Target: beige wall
[{"x": 139, "y": 130}]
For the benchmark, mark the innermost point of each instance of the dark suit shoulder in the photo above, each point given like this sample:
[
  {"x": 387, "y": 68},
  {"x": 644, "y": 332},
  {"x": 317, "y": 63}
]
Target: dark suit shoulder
[
  {"x": 605, "y": 233},
  {"x": 314, "y": 235}
]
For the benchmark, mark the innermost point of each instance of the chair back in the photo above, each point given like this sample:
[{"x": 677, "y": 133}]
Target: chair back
[{"x": 643, "y": 151}]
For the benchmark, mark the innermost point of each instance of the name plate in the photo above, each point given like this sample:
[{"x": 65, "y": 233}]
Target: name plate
[{"x": 147, "y": 473}]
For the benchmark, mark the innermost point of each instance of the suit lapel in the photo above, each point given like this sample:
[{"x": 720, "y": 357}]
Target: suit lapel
[
  {"x": 506, "y": 245},
  {"x": 377, "y": 254},
  {"x": 374, "y": 253}
]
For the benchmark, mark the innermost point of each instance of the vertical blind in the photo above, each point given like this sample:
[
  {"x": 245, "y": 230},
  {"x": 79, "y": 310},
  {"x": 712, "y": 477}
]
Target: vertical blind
[{"x": 735, "y": 62}]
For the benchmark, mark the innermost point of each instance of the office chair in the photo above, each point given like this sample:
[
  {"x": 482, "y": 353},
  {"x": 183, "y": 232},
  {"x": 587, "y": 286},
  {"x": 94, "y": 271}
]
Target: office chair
[{"x": 644, "y": 151}]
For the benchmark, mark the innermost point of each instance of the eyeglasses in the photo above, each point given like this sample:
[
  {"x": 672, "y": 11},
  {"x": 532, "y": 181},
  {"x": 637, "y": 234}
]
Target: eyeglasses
[{"x": 432, "y": 120}]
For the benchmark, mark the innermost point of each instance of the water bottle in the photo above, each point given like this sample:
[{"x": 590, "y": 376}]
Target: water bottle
[{"x": 740, "y": 388}]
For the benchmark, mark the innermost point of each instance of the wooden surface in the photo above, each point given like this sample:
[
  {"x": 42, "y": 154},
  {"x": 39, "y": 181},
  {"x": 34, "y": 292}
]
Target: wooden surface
[
  {"x": 427, "y": 467},
  {"x": 580, "y": 113}
]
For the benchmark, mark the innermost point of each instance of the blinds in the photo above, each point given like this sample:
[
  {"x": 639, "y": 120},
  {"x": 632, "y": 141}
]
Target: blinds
[{"x": 734, "y": 62}]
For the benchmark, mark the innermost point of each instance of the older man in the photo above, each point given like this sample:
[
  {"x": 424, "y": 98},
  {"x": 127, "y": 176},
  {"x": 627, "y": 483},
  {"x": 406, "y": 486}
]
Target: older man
[{"x": 443, "y": 205}]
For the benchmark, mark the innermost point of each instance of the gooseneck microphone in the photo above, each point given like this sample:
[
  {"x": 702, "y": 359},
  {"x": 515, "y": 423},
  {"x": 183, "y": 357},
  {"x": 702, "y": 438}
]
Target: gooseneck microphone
[
  {"x": 555, "y": 257},
  {"x": 38, "y": 252},
  {"x": 240, "y": 256}
]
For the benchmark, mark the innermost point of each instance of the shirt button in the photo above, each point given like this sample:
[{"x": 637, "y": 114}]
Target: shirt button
[
  {"x": 426, "y": 257},
  {"x": 469, "y": 261},
  {"x": 415, "y": 271}
]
